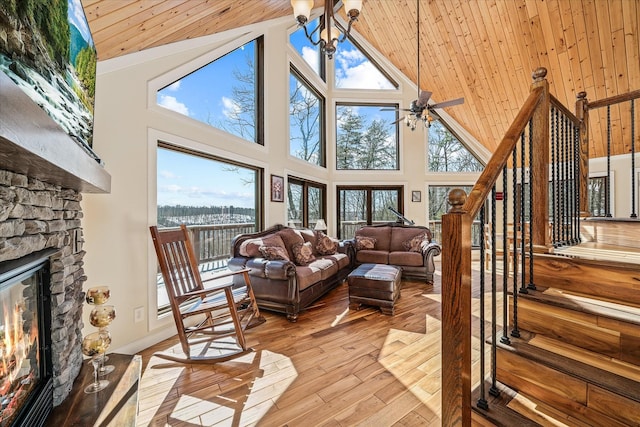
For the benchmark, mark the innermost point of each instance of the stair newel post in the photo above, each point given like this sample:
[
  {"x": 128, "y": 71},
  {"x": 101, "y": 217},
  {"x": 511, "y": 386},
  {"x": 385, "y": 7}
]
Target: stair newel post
[
  {"x": 582, "y": 113},
  {"x": 539, "y": 174},
  {"x": 456, "y": 313}
]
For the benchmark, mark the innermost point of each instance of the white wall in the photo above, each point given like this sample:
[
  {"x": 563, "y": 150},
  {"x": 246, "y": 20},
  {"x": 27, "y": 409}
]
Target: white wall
[{"x": 128, "y": 125}]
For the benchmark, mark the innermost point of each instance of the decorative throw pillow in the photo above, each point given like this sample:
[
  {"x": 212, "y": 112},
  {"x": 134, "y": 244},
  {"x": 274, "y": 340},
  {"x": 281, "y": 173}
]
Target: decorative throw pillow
[
  {"x": 325, "y": 245},
  {"x": 363, "y": 242},
  {"x": 273, "y": 253},
  {"x": 414, "y": 244},
  {"x": 303, "y": 253},
  {"x": 251, "y": 248}
]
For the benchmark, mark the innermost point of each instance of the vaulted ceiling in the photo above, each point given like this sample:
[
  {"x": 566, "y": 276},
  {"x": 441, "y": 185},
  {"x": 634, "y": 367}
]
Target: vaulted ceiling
[{"x": 482, "y": 50}]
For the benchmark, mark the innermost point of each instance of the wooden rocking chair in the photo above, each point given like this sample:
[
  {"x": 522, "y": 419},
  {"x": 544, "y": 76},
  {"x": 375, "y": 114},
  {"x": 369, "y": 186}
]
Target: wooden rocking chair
[{"x": 210, "y": 321}]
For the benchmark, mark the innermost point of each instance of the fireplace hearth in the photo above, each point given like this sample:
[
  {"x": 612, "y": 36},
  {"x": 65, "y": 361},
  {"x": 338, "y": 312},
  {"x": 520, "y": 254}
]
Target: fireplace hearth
[{"x": 26, "y": 382}]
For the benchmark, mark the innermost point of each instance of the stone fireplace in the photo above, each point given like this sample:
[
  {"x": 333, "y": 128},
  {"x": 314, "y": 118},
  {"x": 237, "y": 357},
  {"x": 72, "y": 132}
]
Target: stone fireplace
[
  {"x": 35, "y": 216},
  {"x": 43, "y": 173}
]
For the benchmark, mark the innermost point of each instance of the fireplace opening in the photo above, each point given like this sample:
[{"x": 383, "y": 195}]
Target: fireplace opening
[{"x": 26, "y": 384}]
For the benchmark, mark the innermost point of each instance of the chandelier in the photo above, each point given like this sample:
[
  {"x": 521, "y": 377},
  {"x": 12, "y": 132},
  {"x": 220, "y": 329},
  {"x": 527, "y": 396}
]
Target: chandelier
[{"x": 332, "y": 31}]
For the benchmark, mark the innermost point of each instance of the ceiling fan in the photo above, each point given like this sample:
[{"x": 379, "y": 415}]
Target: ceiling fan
[{"x": 420, "y": 108}]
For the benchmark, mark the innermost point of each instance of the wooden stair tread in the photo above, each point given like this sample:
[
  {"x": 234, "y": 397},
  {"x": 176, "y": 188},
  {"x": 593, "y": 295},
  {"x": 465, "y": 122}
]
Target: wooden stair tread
[
  {"x": 499, "y": 412},
  {"x": 602, "y": 252},
  {"x": 585, "y": 304},
  {"x": 608, "y": 364},
  {"x": 567, "y": 364}
]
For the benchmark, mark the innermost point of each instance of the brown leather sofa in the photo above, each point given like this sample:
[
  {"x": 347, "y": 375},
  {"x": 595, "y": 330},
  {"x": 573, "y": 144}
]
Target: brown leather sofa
[
  {"x": 290, "y": 268},
  {"x": 409, "y": 247}
]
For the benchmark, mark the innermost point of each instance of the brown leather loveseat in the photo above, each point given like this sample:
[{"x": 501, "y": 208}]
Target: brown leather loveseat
[
  {"x": 409, "y": 247},
  {"x": 290, "y": 268}
]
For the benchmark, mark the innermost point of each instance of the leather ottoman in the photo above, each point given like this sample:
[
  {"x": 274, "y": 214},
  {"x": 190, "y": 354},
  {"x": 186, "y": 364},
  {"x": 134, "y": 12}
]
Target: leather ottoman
[{"x": 375, "y": 284}]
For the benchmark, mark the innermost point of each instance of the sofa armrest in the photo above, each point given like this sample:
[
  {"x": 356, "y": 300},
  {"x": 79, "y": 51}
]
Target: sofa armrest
[
  {"x": 348, "y": 247},
  {"x": 429, "y": 251},
  {"x": 274, "y": 269}
]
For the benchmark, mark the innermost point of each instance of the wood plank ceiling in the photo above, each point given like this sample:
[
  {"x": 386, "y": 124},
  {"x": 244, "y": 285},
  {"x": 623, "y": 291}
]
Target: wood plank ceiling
[{"x": 482, "y": 50}]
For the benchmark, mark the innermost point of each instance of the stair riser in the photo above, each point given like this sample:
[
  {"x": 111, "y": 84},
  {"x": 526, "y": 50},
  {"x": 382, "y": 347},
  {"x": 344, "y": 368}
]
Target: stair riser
[
  {"x": 591, "y": 332},
  {"x": 610, "y": 282},
  {"x": 575, "y": 397}
]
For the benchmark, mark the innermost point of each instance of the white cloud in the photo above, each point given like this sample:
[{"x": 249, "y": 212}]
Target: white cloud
[
  {"x": 174, "y": 86},
  {"x": 168, "y": 174},
  {"x": 229, "y": 107},
  {"x": 173, "y": 104},
  {"x": 362, "y": 76},
  {"x": 311, "y": 57}
]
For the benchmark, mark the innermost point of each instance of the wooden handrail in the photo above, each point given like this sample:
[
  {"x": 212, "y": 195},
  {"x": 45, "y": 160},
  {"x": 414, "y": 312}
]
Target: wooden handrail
[
  {"x": 614, "y": 100},
  {"x": 456, "y": 247},
  {"x": 498, "y": 161}
]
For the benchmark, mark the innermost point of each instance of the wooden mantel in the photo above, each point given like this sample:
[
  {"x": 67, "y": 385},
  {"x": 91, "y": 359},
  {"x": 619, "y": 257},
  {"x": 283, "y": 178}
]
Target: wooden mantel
[{"x": 31, "y": 143}]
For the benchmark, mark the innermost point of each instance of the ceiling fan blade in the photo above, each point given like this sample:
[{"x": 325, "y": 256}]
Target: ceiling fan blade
[
  {"x": 423, "y": 98},
  {"x": 449, "y": 103},
  {"x": 395, "y": 109},
  {"x": 396, "y": 121}
]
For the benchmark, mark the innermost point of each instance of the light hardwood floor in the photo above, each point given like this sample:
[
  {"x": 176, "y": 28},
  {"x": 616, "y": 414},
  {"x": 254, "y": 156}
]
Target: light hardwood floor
[{"x": 335, "y": 366}]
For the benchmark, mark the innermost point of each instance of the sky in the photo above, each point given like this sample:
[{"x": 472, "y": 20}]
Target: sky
[{"x": 201, "y": 97}]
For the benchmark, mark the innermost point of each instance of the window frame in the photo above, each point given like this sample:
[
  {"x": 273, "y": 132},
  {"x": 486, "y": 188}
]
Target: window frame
[
  {"x": 195, "y": 66},
  {"x": 343, "y": 103},
  {"x": 369, "y": 189},
  {"x": 295, "y": 72},
  {"x": 306, "y": 184},
  {"x": 162, "y": 311}
]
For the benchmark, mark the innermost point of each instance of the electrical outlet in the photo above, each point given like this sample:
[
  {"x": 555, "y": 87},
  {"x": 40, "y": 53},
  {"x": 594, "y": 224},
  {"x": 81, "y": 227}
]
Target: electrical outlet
[{"x": 138, "y": 314}]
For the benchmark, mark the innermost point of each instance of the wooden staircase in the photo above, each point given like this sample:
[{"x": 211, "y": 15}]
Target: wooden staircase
[{"x": 577, "y": 360}]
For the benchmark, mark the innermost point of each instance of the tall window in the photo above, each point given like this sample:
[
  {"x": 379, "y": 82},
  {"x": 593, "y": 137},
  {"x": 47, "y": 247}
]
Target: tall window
[
  {"x": 225, "y": 94},
  {"x": 366, "y": 137},
  {"x": 306, "y": 121},
  {"x": 358, "y": 206},
  {"x": 306, "y": 202},
  {"x": 189, "y": 192},
  {"x": 447, "y": 153},
  {"x": 355, "y": 70},
  {"x": 598, "y": 195}
]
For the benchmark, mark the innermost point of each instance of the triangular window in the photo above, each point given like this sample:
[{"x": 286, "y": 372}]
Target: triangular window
[
  {"x": 306, "y": 50},
  {"x": 356, "y": 70},
  {"x": 224, "y": 94},
  {"x": 447, "y": 153}
]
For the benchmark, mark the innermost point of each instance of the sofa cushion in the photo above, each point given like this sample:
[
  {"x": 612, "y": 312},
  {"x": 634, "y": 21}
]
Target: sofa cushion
[
  {"x": 251, "y": 247},
  {"x": 308, "y": 236},
  {"x": 372, "y": 257},
  {"x": 381, "y": 234},
  {"x": 273, "y": 253},
  {"x": 290, "y": 237},
  {"x": 341, "y": 260},
  {"x": 402, "y": 235},
  {"x": 325, "y": 245},
  {"x": 411, "y": 259},
  {"x": 307, "y": 276},
  {"x": 365, "y": 243},
  {"x": 326, "y": 266},
  {"x": 303, "y": 253}
]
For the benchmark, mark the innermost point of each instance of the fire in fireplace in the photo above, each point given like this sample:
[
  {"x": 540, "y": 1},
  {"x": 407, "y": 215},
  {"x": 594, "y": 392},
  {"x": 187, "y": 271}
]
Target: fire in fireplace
[{"x": 26, "y": 386}]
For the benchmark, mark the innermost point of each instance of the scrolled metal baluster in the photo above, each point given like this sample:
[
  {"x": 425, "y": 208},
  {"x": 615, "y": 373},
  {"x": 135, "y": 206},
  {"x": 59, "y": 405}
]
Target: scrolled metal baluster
[
  {"x": 523, "y": 286},
  {"x": 607, "y": 193},
  {"x": 633, "y": 161},
  {"x": 505, "y": 261},
  {"x": 530, "y": 285},
  {"x": 482, "y": 401},
  {"x": 493, "y": 391},
  {"x": 515, "y": 332}
]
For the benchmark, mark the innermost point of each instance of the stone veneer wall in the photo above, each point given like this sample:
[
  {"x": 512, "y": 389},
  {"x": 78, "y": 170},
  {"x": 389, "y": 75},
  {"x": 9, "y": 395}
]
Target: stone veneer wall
[{"x": 34, "y": 216}]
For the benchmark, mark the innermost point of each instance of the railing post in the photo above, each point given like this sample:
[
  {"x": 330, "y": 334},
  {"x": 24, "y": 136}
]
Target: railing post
[
  {"x": 539, "y": 172},
  {"x": 456, "y": 313},
  {"x": 582, "y": 113}
]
